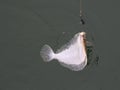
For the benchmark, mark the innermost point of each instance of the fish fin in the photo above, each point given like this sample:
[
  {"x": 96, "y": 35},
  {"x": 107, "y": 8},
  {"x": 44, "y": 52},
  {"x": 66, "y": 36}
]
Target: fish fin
[
  {"x": 67, "y": 45},
  {"x": 74, "y": 67},
  {"x": 47, "y": 53}
]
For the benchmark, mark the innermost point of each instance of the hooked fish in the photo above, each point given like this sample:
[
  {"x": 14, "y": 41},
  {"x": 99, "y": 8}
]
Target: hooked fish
[{"x": 72, "y": 55}]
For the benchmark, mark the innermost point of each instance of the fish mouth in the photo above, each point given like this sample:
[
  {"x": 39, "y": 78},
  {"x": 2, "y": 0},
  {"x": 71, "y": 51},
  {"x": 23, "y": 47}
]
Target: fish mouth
[
  {"x": 82, "y": 33},
  {"x": 83, "y": 36}
]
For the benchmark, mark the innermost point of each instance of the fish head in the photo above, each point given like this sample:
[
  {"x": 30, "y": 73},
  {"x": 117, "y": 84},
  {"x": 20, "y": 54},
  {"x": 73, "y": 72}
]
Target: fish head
[{"x": 82, "y": 35}]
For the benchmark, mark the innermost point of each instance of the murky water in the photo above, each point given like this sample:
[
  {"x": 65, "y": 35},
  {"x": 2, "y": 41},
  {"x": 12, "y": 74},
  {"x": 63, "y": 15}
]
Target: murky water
[{"x": 25, "y": 26}]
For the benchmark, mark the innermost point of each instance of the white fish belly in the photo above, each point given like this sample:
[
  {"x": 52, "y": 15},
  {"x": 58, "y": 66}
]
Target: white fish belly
[{"x": 73, "y": 55}]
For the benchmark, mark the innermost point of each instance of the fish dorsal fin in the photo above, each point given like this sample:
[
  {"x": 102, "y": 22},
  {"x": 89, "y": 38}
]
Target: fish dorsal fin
[{"x": 67, "y": 45}]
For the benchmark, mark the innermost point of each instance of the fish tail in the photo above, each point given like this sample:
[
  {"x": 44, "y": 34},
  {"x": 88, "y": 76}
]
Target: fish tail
[{"x": 47, "y": 53}]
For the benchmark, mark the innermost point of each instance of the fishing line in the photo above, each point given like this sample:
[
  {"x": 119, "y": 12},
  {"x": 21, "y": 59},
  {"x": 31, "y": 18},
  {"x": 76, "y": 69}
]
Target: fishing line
[
  {"x": 80, "y": 8},
  {"x": 81, "y": 22},
  {"x": 81, "y": 14},
  {"x": 84, "y": 28}
]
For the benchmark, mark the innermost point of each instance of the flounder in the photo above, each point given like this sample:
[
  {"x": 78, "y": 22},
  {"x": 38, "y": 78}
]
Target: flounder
[{"x": 72, "y": 55}]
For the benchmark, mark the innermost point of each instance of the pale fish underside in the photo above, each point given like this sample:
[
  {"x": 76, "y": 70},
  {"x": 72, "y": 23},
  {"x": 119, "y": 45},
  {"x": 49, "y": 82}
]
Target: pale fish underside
[{"x": 72, "y": 55}]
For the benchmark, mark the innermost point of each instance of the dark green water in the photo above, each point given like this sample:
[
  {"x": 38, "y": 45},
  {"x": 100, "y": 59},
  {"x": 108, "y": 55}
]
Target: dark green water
[{"x": 26, "y": 25}]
